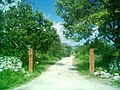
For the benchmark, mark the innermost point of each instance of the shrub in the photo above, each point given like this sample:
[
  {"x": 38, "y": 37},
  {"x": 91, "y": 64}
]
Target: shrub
[{"x": 82, "y": 63}]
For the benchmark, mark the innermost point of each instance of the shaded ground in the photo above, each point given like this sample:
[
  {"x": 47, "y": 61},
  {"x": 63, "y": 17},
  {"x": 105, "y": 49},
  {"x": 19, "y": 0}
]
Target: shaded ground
[{"x": 63, "y": 76}]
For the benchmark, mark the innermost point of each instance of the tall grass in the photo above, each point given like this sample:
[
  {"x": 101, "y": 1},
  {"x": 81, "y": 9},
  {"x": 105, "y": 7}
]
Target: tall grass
[
  {"x": 9, "y": 79},
  {"x": 82, "y": 63}
]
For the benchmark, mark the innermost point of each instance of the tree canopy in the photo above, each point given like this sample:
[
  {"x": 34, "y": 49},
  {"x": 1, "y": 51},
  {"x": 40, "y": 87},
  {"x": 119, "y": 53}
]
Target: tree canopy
[
  {"x": 81, "y": 16},
  {"x": 74, "y": 12},
  {"x": 24, "y": 28}
]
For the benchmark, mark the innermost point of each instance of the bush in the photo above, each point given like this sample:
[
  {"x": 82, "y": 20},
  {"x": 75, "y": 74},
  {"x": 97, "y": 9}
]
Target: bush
[
  {"x": 82, "y": 63},
  {"x": 11, "y": 77}
]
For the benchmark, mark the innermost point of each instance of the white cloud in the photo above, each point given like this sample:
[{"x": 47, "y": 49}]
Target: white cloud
[
  {"x": 48, "y": 16},
  {"x": 60, "y": 30}
]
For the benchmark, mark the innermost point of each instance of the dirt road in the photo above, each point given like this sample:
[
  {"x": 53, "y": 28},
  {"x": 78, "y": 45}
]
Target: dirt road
[{"x": 63, "y": 76}]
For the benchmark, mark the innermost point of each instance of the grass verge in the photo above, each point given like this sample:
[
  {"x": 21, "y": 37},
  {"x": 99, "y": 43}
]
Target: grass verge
[
  {"x": 82, "y": 64},
  {"x": 11, "y": 79}
]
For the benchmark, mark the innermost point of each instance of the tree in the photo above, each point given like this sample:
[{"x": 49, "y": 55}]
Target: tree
[
  {"x": 81, "y": 16},
  {"x": 112, "y": 27},
  {"x": 75, "y": 14},
  {"x": 108, "y": 21},
  {"x": 27, "y": 29},
  {"x": 1, "y": 24},
  {"x": 4, "y": 3}
]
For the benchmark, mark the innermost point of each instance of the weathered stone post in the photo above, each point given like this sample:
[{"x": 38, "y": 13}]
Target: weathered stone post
[
  {"x": 30, "y": 60},
  {"x": 92, "y": 61}
]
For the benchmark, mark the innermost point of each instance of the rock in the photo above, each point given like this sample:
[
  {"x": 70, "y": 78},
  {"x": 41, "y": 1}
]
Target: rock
[
  {"x": 102, "y": 72},
  {"x": 116, "y": 77},
  {"x": 116, "y": 74},
  {"x": 105, "y": 75},
  {"x": 96, "y": 74}
]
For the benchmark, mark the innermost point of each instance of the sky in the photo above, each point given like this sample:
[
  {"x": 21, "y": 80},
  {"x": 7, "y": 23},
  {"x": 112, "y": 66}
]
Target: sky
[
  {"x": 47, "y": 7},
  {"x": 69, "y": 42}
]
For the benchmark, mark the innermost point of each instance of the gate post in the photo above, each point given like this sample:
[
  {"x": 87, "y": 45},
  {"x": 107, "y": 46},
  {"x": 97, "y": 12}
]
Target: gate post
[
  {"x": 91, "y": 61},
  {"x": 30, "y": 60}
]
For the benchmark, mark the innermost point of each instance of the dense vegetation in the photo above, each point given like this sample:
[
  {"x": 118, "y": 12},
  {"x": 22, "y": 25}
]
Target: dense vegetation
[
  {"x": 86, "y": 17},
  {"x": 82, "y": 16},
  {"x": 22, "y": 28}
]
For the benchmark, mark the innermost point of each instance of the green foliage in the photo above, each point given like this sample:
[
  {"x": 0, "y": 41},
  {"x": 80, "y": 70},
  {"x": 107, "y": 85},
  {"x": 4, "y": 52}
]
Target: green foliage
[
  {"x": 102, "y": 47},
  {"x": 9, "y": 79},
  {"x": 82, "y": 59},
  {"x": 83, "y": 49},
  {"x": 1, "y": 19},
  {"x": 108, "y": 22},
  {"x": 73, "y": 9},
  {"x": 116, "y": 83},
  {"x": 105, "y": 52},
  {"x": 79, "y": 16},
  {"x": 74, "y": 13},
  {"x": 43, "y": 61},
  {"x": 68, "y": 50},
  {"x": 21, "y": 29},
  {"x": 103, "y": 55},
  {"x": 60, "y": 50},
  {"x": 82, "y": 63},
  {"x": 26, "y": 29}
]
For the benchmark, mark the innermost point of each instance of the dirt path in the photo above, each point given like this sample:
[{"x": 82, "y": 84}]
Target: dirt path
[{"x": 62, "y": 76}]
